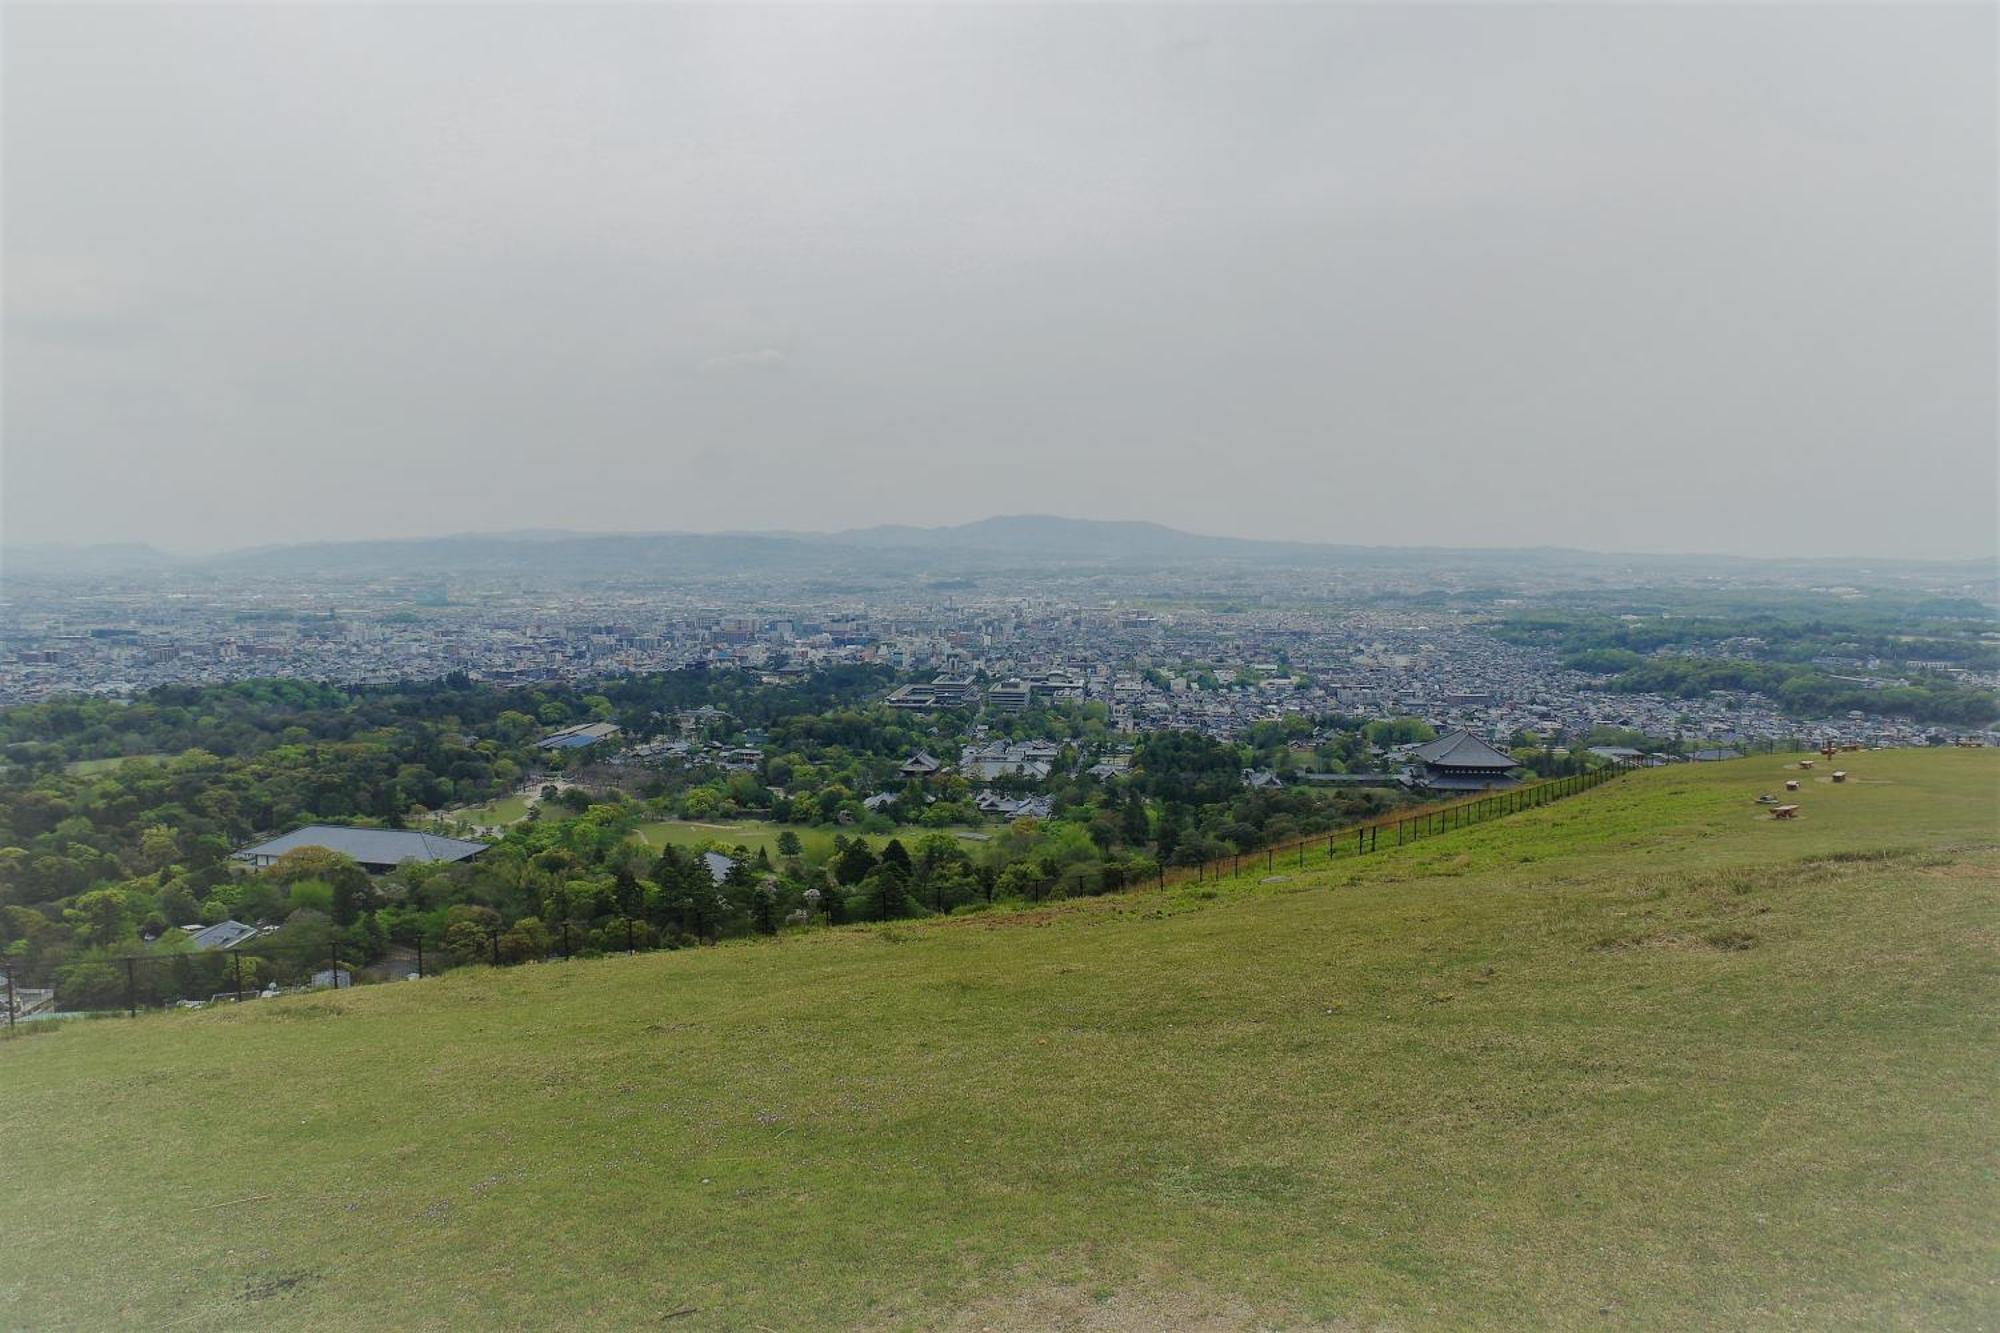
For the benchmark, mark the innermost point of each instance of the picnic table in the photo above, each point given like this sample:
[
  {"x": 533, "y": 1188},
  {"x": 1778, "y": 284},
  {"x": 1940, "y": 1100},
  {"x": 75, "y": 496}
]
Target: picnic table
[
  {"x": 1839, "y": 775},
  {"x": 1791, "y": 784},
  {"x": 1785, "y": 812}
]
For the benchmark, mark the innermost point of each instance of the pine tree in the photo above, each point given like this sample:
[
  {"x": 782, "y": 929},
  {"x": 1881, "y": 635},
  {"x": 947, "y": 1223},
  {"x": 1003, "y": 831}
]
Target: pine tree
[
  {"x": 854, "y": 862},
  {"x": 625, "y": 892},
  {"x": 1170, "y": 832},
  {"x": 1136, "y": 827},
  {"x": 888, "y": 892}
]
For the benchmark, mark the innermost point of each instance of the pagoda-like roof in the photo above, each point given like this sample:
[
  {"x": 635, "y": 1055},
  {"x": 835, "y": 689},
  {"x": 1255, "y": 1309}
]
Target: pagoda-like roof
[{"x": 1462, "y": 749}]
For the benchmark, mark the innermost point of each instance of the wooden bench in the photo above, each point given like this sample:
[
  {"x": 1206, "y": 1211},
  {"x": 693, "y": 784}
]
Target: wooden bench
[
  {"x": 1785, "y": 812},
  {"x": 1839, "y": 775},
  {"x": 1791, "y": 784},
  {"x": 1805, "y": 763}
]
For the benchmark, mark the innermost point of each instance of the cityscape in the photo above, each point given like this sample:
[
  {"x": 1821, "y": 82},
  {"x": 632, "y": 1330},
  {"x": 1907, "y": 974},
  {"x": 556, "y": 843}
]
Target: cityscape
[{"x": 1192, "y": 648}]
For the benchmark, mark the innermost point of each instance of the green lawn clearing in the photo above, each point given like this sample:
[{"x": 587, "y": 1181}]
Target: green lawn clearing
[
  {"x": 1645, "y": 1058},
  {"x": 817, "y": 843},
  {"x": 495, "y": 813}
]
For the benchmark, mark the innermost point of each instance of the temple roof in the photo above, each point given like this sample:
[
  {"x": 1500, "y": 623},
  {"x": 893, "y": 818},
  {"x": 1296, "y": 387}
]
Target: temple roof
[{"x": 1462, "y": 749}]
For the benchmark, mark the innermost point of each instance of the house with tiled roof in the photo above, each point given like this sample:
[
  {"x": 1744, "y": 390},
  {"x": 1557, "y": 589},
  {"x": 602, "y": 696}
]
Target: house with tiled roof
[{"x": 1459, "y": 761}]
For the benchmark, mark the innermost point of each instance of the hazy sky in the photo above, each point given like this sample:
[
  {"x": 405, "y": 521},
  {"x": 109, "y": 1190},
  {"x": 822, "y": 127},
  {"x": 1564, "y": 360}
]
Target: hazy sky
[{"x": 1643, "y": 277}]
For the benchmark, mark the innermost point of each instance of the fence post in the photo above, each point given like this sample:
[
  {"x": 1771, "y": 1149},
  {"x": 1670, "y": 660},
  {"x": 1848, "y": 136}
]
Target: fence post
[
  {"x": 10, "y": 998},
  {"x": 237, "y": 959},
  {"x": 131, "y": 991},
  {"x": 335, "y": 948},
  {"x": 420, "y": 957},
  {"x": 1374, "y": 830},
  {"x": 494, "y": 936}
]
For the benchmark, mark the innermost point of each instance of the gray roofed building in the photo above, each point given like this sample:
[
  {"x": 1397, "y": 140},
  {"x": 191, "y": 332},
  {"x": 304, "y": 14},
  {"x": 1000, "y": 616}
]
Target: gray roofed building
[
  {"x": 1460, "y": 761},
  {"x": 1461, "y": 749},
  {"x": 578, "y": 736},
  {"x": 221, "y": 935},
  {"x": 373, "y": 849}
]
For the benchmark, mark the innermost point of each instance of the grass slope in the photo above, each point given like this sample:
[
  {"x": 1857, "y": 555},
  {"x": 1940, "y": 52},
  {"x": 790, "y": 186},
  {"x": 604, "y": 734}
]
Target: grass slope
[{"x": 1640, "y": 1059}]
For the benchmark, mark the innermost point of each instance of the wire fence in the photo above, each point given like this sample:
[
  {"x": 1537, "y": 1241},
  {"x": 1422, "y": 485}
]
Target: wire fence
[{"x": 1394, "y": 829}]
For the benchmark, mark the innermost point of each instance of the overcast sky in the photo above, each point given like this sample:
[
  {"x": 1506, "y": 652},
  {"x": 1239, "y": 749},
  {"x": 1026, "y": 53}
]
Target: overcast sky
[{"x": 1638, "y": 278}]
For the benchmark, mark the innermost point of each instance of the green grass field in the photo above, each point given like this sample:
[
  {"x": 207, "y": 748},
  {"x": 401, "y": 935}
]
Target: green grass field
[
  {"x": 755, "y": 833},
  {"x": 1641, "y": 1059},
  {"x": 495, "y": 813}
]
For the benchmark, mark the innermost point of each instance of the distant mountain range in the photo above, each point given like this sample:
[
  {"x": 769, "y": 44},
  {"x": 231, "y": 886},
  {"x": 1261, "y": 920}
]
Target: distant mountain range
[{"x": 1011, "y": 543}]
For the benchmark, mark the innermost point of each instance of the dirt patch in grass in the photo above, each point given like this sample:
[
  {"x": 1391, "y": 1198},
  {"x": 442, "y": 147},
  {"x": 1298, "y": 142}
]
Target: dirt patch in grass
[
  {"x": 1040, "y": 916},
  {"x": 270, "y": 1286}
]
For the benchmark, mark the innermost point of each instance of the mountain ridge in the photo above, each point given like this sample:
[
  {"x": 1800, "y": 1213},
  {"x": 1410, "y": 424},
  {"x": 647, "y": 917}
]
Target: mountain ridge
[{"x": 1031, "y": 539}]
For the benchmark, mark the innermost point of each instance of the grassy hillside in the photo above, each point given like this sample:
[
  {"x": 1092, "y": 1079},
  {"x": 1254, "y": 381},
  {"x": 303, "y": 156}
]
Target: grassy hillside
[{"x": 1640, "y": 1059}]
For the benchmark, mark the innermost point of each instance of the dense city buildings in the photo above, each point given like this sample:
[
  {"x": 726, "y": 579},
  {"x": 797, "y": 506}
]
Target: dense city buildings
[{"x": 1209, "y": 647}]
